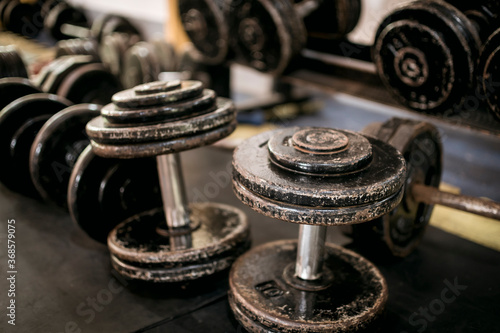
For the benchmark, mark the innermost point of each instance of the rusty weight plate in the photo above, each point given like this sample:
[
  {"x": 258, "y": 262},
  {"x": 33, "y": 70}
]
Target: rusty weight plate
[
  {"x": 56, "y": 148},
  {"x": 401, "y": 230},
  {"x": 220, "y": 233},
  {"x": 20, "y": 122},
  {"x": 318, "y": 198},
  {"x": 177, "y": 110},
  {"x": 267, "y": 33},
  {"x": 101, "y": 131},
  {"x": 89, "y": 83},
  {"x": 103, "y": 192},
  {"x": 489, "y": 73},
  {"x": 426, "y": 53},
  {"x": 206, "y": 26},
  {"x": 263, "y": 299},
  {"x": 11, "y": 88}
]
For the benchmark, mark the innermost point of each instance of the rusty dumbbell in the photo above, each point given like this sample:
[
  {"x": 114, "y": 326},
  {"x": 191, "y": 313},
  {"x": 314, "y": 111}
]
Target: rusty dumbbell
[
  {"x": 316, "y": 177},
  {"x": 178, "y": 242}
]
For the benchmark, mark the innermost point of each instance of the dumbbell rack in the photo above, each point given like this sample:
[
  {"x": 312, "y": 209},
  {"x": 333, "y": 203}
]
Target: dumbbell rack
[{"x": 323, "y": 65}]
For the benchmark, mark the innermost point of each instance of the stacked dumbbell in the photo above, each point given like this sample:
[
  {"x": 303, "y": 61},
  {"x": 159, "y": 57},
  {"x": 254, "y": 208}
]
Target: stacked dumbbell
[
  {"x": 316, "y": 177},
  {"x": 177, "y": 242},
  {"x": 426, "y": 52},
  {"x": 264, "y": 34}
]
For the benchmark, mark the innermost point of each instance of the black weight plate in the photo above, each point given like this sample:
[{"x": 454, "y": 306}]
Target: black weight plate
[
  {"x": 46, "y": 70},
  {"x": 56, "y": 148},
  {"x": 61, "y": 14},
  {"x": 175, "y": 145},
  {"x": 425, "y": 53},
  {"x": 262, "y": 38},
  {"x": 489, "y": 72},
  {"x": 11, "y": 63},
  {"x": 333, "y": 19},
  {"x": 3, "y": 7},
  {"x": 20, "y": 122},
  {"x": 139, "y": 252},
  {"x": 140, "y": 65},
  {"x": 182, "y": 109},
  {"x": 91, "y": 83},
  {"x": 401, "y": 230},
  {"x": 19, "y": 18},
  {"x": 483, "y": 14},
  {"x": 101, "y": 131},
  {"x": 263, "y": 300},
  {"x": 12, "y": 88},
  {"x": 207, "y": 29},
  {"x": 104, "y": 192},
  {"x": 64, "y": 66},
  {"x": 130, "y": 99},
  {"x": 381, "y": 179}
]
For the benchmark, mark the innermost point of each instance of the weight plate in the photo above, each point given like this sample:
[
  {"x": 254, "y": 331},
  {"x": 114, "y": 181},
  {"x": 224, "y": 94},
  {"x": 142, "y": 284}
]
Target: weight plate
[
  {"x": 61, "y": 69},
  {"x": 130, "y": 99},
  {"x": 101, "y": 131},
  {"x": 425, "y": 53},
  {"x": 56, "y": 148},
  {"x": 206, "y": 27},
  {"x": 483, "y": 14},
  {"x": 20, "y": 17},
  {"x": 401, "y": 230},
  {"x": 166, "y": 55},
  {"x": 13, "y": 87},
  {"x": 256, "y": 173},
  {"x": 91, "y": 83},
  {"x": 11, "y": 63},
  {"x": 179, "y": 110},
  {"x": 61, "y": 14},
  {"x": 103, "y": 192},
  {"x": 175, "y": 145},
  {"x": 139, "y": 252},
  {"x": 489, "y": 72},
  {"x": 140, "y": 65},
  {"x": 20, "y": 122},
  {"x": 264, "y": 37},
  {"x": 262, "y": 299}
]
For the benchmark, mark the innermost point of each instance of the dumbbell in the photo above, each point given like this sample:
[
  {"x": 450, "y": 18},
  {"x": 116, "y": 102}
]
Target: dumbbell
[
  {"x": 489, "y": 72},
  {"x": 20, "y": 17},
  {"x": 64, "y": 21},
  {"x": 78, "y": 78},
  {"x": 20, "y": 121},
  {"x": 316, "y": 177},
  {"x": 401, "y": 230},
  {"x": 11, "y": 63},
  {"x": 144, "y": 62},
  {"x": 161, "y": 119},
  {"x": 426, "y": 53},
  {"x": 269, "y": 33},
  {"x": 206, "y": 26},
  {"x": 484, "y": 15}
]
